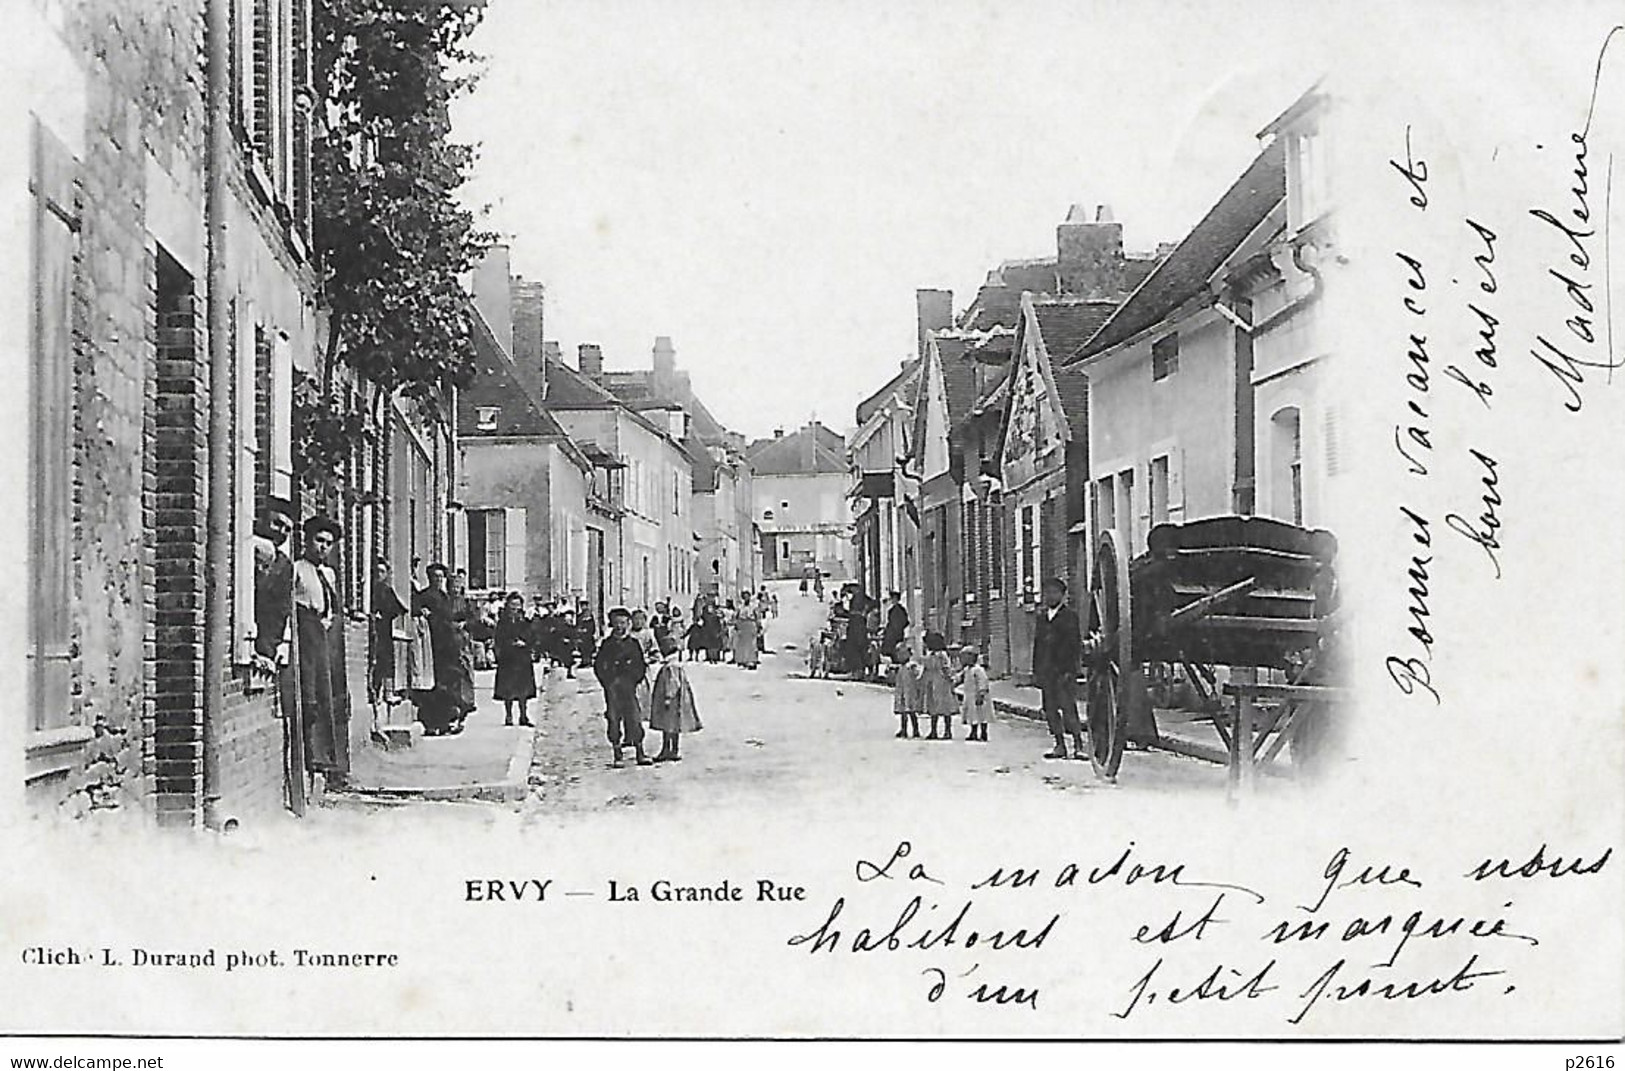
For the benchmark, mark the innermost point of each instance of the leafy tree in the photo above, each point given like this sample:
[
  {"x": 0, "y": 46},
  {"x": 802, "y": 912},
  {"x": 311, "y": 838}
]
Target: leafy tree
[{"x": 390, "y": 236}]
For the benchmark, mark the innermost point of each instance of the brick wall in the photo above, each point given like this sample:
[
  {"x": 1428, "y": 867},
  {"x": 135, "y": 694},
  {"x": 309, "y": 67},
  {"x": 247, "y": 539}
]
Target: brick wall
[
  {"x": 248, "y": 747},
  {"x": 141, "y": 65},
  {"x": 174, "y": 749},
  {"x": 141, "y": 404}
]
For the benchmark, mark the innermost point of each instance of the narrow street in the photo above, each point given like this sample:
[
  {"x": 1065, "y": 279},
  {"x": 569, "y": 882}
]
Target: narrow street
[{"x": 774, "y": 735}]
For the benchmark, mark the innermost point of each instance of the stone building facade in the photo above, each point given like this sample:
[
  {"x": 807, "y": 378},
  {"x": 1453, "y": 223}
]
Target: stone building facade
[{"x": 108, "y": 170}]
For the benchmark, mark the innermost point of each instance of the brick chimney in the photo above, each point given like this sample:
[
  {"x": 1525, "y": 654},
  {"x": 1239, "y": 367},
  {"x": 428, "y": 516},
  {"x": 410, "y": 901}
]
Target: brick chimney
[
  {"x": 665, "y": 368},
  {"x": 527, "y": 321},
  {"x": 590, "y": 360},
  {"x": 934, "y": 311},
  {"x": 1089, "y": 253}
]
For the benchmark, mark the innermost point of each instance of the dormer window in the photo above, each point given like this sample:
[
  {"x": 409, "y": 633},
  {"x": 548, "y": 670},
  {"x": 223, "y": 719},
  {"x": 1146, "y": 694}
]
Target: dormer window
[{"x": 486, "y": 417}]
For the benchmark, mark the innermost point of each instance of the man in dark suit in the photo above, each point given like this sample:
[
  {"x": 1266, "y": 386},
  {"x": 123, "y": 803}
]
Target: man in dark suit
[{"x": 1057, "y": 646}]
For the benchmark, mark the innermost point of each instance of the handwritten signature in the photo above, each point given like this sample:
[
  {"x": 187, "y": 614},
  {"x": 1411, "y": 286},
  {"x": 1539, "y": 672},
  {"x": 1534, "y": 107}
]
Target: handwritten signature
[{"x": 1568, "y": 358}]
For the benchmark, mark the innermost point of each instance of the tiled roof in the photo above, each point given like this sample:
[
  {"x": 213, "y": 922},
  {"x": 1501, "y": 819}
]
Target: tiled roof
[
  {"x": 569, "y": 389},
  {"x": 869, "y": 405},
  {"x": 809, "y": 450},
  {"x": 1072, "y": 384},
  {"x": 1187, "y": 269},
  {"x": 993, "y": 348},
  {"x": 1039, "y": 275},
  {"x": 635, "y": 388},
  {"x": 703, "y": 465},
  {"x": 498, "y": 386},
  {"x": 958, "y": 376},
  {"x": 1066, "y": 325}
]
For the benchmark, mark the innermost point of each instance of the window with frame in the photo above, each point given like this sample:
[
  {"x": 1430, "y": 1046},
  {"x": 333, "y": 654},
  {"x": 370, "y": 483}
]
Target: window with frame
[
  {"x": 1105, "y": 495},
  {"x": 1165, "y": 356},
  {"x": 996, "y": 551},
  {"x": 969, "y": 554},
  {"x": 1286, "y": 447},
  {"x": 1031, "y": 537},
  {"x": 487, "y": 545},
  {"x": 1125, "y": 511},
  {"x": 1160, "y": 489}
]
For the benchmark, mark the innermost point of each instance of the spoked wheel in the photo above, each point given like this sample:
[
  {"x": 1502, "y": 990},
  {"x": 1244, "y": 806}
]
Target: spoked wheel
[{"x": 1112, "y": 651}]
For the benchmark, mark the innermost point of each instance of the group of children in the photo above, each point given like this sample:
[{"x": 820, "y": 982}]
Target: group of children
[
  {"x": 925, "y": 685},
  {"x": 622, "y": 665}
]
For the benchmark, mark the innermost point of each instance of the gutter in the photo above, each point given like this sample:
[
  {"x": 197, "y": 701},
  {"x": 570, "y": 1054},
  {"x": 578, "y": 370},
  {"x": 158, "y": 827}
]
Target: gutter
[{"x": 217, "y": 580}]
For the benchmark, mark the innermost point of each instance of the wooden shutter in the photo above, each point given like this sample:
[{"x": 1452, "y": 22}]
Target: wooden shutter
[
  {"x": 248, "y": 342},
  {"x": 56, "y": 237},
  {"x": 1334, "y": 457},
  {"x": 1176, "y": 484},
  {"x": 261, "y": 75},
  {"x": 515, "y": 544},
  {"x": 495, "y": 547}
]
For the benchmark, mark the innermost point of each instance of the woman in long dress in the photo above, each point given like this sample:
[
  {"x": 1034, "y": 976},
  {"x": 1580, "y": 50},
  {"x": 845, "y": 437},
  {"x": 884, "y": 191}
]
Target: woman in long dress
[
  {"x": 747, "y": 623},
  {"x": 438, "y": 704},
  {"x": 716, "y": 633},
  {"x": 516, "y": 669},
  {"x": 463, "y": 611}
]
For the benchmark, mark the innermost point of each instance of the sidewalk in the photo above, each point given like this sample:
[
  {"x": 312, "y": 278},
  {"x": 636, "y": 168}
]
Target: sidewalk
[
  {"x": 1198, "y": 740},
  {"x": 486, "y": 761}
]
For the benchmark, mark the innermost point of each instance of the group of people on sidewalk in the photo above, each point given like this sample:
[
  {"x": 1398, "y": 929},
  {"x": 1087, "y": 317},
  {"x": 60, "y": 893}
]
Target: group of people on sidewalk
[
  {"x": 929, "y": 685},
  {"x": 446, "y": 633}
]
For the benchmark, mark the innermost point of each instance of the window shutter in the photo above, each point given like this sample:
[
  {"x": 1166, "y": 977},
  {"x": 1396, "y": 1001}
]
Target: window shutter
[
  {"x": 56, "y": 224},
  {"x": 262, "y": 73},
  {"x": 513, "y": 573},
  {"x": 247, "y": 343},
  {"x": 496, "y": 547},
  {"x": 1176, "y": 484},
  {"x": 281, "y": 459},
  {"x": 1334, "y": 458}
]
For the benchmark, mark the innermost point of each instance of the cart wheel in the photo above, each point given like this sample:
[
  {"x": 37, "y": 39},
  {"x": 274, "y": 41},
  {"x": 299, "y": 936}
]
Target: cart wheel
[{"x": 1109, "y": 619}]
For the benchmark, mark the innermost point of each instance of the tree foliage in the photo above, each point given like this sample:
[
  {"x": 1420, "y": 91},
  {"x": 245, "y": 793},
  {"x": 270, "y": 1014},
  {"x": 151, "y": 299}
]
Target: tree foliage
[{"x": 391, "y": 238}]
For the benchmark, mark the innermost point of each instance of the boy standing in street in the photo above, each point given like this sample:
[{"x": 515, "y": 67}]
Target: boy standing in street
[{"x": 620, "y": 667}]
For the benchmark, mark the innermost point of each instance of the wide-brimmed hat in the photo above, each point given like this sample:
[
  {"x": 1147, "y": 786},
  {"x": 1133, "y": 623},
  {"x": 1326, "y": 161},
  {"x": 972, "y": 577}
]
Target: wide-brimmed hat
[{"x": 320, "y": 523}]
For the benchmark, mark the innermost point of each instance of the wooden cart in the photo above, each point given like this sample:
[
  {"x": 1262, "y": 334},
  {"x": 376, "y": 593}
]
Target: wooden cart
[{"x": 1230, "y": 621}]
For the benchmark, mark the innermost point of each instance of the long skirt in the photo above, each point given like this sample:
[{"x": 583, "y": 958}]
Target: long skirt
[
  {"x": 516, "y": 676},
  {"x": 746, "y": 651},
  {"x": 324, "y": 699}
]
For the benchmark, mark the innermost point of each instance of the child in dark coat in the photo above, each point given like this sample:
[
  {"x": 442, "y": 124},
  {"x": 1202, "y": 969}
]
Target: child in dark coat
[{"x": 620, "y": 668}]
